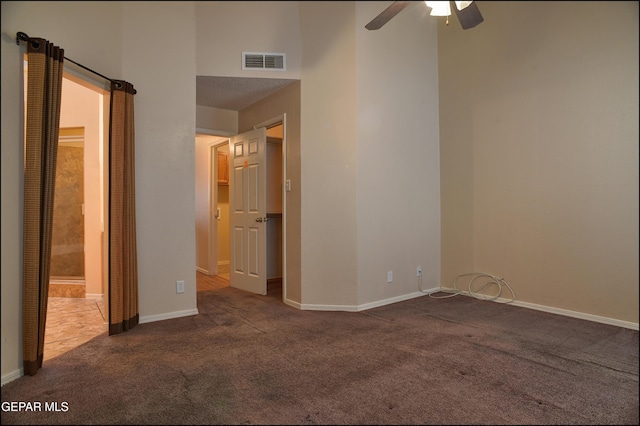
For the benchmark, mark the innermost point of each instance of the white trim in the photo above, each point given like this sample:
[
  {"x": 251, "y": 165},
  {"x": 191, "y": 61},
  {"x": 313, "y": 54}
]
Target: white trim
[
  {"x": 292, "y": 303},
  {"x": 284, "y": 206},
  {"x": 395, "y": 299},
  {"x": 579, "y": 315},
  {"x": 12, "y": 376},
  {"x": 204, "y": 271},
  {"x": 74, "y": 141},
  {"x": 558, "y": 311},
  {"x": 366, "y": 306},
  {"x": 94, "y": 296},
  {"x": 342, "y": 308},
  {"x": 212, "y": 206},
  {"x": 272, "y": 122},
  {"x": 212, "y": 194},
  {"x": 168, "y": 315}
]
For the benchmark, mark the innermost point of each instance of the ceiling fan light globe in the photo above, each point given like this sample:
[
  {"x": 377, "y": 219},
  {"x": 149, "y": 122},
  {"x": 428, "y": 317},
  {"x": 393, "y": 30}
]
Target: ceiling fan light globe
[
  {"x": 462, "y": 4},
  {"x": 439, "y": 8}
]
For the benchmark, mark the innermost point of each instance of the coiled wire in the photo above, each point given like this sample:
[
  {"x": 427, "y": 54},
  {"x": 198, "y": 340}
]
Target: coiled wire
[{"x": 479, "y": 292}]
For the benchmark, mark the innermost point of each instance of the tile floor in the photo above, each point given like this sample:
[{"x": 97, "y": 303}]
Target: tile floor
[{"x": 72, "y": 322}]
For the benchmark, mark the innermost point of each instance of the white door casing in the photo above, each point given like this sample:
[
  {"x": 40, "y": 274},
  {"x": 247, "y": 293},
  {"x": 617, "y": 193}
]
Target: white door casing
[{"x": 247, "y": 189}]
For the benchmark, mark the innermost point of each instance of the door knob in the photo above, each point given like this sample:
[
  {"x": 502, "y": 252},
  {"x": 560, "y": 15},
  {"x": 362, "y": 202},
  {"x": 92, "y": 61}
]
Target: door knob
[{"x": 259, "y": 219}]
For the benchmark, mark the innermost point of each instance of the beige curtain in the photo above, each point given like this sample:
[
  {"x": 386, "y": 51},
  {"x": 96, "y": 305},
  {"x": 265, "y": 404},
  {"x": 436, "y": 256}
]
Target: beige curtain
[
  {"x": 123, "y": 263},
  {"x": 44, "y": 92}
]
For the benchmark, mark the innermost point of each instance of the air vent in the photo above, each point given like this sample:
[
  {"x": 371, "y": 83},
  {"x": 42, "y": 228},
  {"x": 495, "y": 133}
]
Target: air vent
[{"x": 264, "y": 61}]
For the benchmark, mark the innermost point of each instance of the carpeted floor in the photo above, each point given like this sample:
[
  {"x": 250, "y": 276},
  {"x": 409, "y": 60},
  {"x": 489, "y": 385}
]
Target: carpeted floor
[{"x": 249, "y": 359}]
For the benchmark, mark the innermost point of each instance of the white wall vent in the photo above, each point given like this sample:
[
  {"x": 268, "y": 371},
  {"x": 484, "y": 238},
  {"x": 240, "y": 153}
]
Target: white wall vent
[{"x": 264, "y": 61}]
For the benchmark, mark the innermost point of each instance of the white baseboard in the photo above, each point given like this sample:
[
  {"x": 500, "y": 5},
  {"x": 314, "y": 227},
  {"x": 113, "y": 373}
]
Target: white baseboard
[
  {"x": 204, "y": 271},
  {"x": 565, "y": 312},
  {"x": 168, "y": 315},
  {"x": 579, "y": 315},
  {"x": 558, "y": 311},
  {"x": 365, "y": 306},
  {"x": 292, "y": 303},
  {"x": 12, "y": 376},
  {"x": 314, "y": 307},
  {"x": 94, "y": 296}
]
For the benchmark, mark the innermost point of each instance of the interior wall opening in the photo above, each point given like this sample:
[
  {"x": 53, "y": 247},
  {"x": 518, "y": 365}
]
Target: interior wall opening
[
  {"x": 77, "y": 308},
  {"x": 213, "y": 168}
]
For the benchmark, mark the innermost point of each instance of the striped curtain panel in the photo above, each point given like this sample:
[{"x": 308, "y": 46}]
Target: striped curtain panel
[
  {"x": 44, "y": 93},
  {"x": 123, "y": 261}
]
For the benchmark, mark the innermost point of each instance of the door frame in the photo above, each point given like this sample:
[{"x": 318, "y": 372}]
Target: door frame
[
  {"x": 213, "y": 203},
  {"x": 213, "y": 237},
  {"x": 102, "y": 87},
  {"x": 273, "y": 122}
]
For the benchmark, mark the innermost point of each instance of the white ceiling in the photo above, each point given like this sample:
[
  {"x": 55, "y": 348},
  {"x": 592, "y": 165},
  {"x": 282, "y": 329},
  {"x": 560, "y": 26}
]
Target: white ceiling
[{"x": 235, "y": 93}]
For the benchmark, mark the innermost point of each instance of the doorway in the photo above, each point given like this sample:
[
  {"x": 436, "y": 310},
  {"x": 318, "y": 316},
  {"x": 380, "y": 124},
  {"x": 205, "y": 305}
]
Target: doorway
[
  {"x": 213, "y": 252},
  {"x": 77, "y": 308}
]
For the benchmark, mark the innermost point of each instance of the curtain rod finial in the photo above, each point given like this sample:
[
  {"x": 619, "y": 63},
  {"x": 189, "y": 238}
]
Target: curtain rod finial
[{"x": 20, "y": 36}]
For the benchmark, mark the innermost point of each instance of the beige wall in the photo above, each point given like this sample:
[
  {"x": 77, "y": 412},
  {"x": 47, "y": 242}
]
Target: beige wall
[
  {"x": 328, "y": 154},
  {"x": 398, "y": 170},
  {"x": 222, "y": 121},
  {"x": 164, "y": 77},
  {"x": 539, "y": 153},
  {"x": 246, "y": 26},
  {"x": 370, "y": 168}
]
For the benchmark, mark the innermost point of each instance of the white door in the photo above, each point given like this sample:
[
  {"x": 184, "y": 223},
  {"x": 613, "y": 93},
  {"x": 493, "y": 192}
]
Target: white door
[{"x": 247, "y": 188}]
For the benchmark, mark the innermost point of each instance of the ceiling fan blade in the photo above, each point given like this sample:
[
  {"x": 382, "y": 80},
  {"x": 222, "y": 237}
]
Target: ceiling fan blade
[
  {"x": 386, "y": 15},
  {"x": 469, "y": 17}
]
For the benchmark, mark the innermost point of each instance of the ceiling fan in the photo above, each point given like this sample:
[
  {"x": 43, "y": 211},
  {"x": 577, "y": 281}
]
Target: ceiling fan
[{"x": 466, "y": 11}]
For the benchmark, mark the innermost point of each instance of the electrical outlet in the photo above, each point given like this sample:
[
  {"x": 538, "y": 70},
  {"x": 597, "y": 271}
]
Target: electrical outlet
[
  {"x": 418, "y": 271},
  {"x": 390, "y": 276},
  {"x": 180, "y": 286}
]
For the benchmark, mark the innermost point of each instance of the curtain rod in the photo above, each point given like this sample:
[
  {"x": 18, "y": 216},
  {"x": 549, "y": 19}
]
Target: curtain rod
[{"x": 20, "y": 36}]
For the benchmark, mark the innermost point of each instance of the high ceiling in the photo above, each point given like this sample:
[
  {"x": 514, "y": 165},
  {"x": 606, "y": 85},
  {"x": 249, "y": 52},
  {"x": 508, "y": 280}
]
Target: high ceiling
[{"x": 235, "y": 93}]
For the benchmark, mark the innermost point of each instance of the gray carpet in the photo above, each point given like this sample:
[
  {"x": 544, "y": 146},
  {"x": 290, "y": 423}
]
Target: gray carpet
[{"x": 248, "y": 359}]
